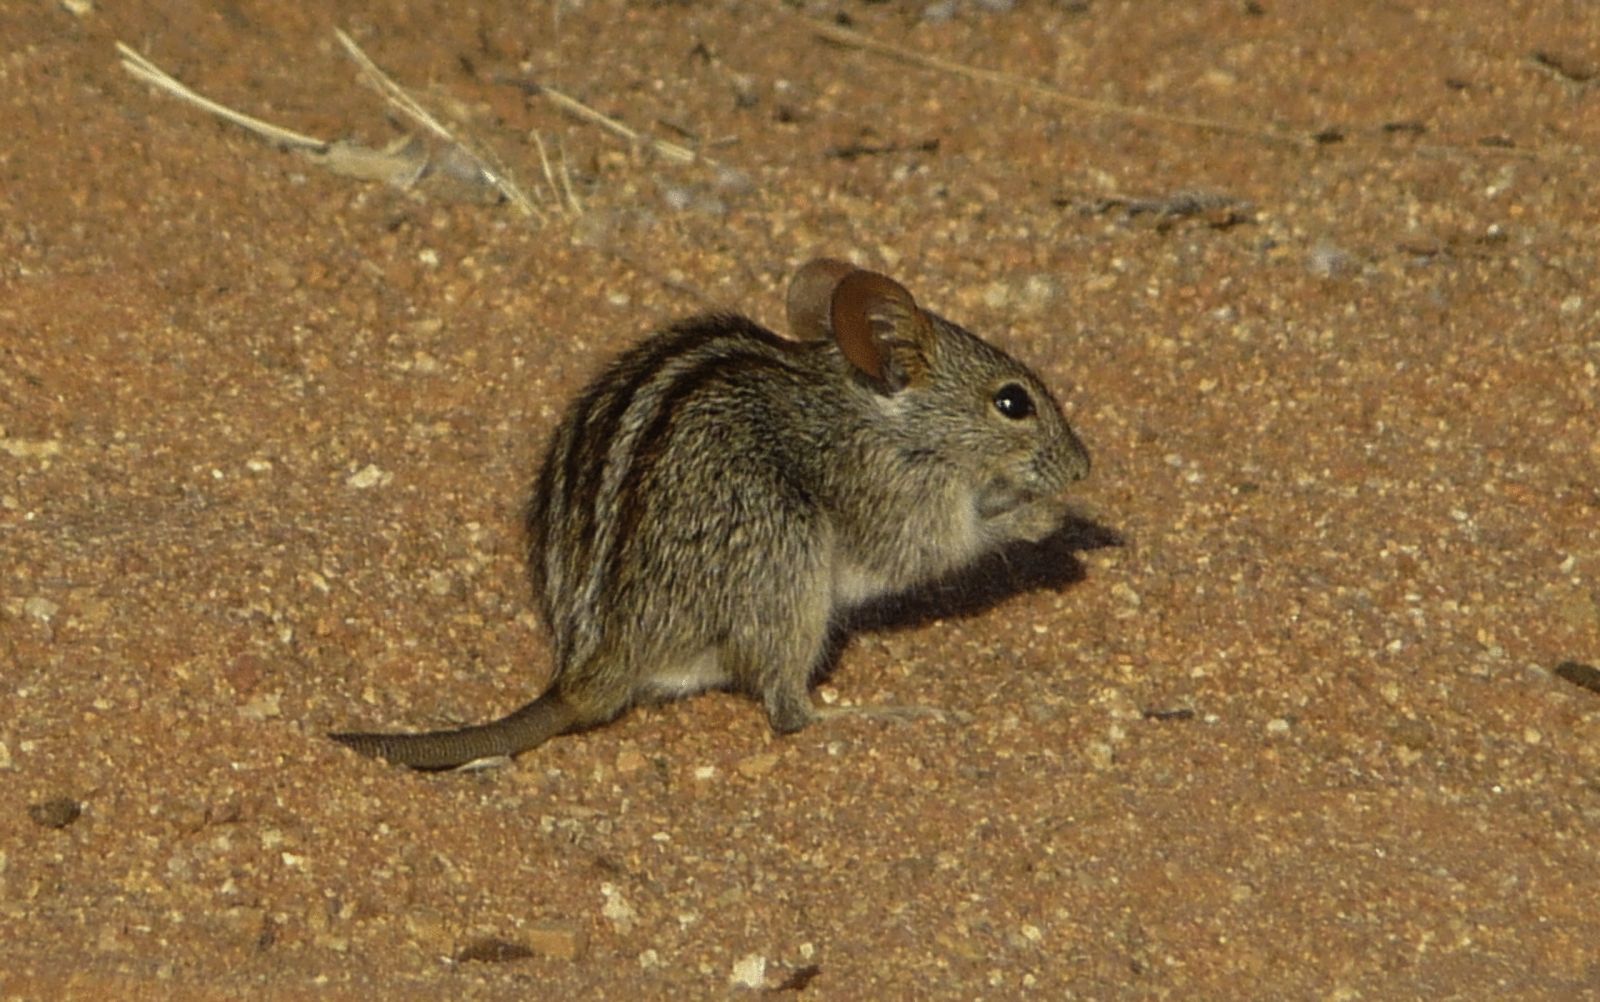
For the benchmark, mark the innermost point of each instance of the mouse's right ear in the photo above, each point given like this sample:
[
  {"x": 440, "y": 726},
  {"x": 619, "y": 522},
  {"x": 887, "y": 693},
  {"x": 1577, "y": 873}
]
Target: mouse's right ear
[{"x": 810, "y": 303}]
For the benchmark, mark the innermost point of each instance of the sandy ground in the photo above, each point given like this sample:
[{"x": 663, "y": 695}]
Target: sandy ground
[{"x": 265, "y": 430}]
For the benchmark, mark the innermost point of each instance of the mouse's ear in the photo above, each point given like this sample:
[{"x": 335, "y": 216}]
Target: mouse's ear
[
  {"x": 880, "y": 329},
  {"x": 810, "y": 303},
  {"x": 871, "y": 317}
]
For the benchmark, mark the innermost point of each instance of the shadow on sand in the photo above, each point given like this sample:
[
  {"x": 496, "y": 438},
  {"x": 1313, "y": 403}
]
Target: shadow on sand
[{"x": 1051, "y": 564}]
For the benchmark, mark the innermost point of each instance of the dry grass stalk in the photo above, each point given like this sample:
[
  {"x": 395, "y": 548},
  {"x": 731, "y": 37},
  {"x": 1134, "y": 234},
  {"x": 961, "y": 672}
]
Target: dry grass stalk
[
  {"x": 144, "y": 69},
  {"x": 854, "y": 39},
  {"x": 666, "y": 150},
  {"x": 402, "y": 163},
  {"x": 1304, "y": 139},
  {"x": 408, "y": 106}
]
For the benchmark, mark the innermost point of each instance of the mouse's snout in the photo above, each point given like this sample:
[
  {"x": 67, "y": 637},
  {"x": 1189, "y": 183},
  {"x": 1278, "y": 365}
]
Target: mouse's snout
[{"x": 1068, "y": 459}]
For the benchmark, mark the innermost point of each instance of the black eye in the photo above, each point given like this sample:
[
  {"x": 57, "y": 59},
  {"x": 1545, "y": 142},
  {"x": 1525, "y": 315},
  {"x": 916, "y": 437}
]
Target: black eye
[{"x": 1013, "y": 401}]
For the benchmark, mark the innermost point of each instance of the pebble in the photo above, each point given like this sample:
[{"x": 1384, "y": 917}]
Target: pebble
[
  {"x": 427, "y": 926},
  {"x": 757, "y": 765},
  {"x": 749, "y": 972},
  {"x": 368, "y": 476},
  {"x": 19, "y": 448},
  {"x": 1327, "y": 261},
  {"x": 262, "y": 707},
  {"x": 41, "y": 608},
  {"x": 617, "y": 910},
  {"x": 1099, "y": 754}
]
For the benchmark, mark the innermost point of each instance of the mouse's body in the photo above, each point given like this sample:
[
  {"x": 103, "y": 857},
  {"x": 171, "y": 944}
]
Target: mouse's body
[{"x": 719, "y": 497}]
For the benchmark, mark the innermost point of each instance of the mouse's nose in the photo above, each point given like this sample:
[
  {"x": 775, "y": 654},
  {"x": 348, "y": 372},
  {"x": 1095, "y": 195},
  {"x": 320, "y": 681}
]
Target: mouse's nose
[{"x": 1076, "y": 461}]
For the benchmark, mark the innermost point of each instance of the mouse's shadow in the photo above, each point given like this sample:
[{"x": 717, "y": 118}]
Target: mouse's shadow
[{"x": 1052, "y": 564}]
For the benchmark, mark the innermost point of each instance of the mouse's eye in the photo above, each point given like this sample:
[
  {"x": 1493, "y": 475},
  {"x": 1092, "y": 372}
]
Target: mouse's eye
[{"x": 1014, "y": 401}]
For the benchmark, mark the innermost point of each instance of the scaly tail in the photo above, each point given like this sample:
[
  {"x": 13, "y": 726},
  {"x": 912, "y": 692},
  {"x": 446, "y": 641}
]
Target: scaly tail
[{"x": 532, "y": 725}]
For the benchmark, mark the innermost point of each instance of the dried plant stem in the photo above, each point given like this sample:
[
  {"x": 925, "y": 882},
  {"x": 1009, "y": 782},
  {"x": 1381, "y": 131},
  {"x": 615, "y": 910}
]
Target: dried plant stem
[
  {"x": 402, "y": 163},
  {"x": 566, "y": 179},
  {"x": 562, "y": 184},
  {"x": 1304, "y": 139},
  {"x": 667, "y": 150},
  {"x": 391, "y": 91},
  {"x": 407, "y": 105},
  {"x": 854, "y": 39},
  {"x": 144, "y": 69},
  {"x": 544, "y": 161}
]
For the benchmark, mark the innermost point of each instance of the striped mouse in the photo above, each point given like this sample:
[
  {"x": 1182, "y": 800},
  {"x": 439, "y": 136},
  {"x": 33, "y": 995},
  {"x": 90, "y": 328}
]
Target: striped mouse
[{"x": 720, "y": 498}]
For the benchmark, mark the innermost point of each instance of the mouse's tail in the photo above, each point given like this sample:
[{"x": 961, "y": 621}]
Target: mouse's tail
[{"x": 532, "y": 725}]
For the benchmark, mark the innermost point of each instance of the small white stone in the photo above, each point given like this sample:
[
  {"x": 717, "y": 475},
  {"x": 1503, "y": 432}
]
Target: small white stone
[
  {"x": 616, "y": 909},
  {"x": 1099, "y": 754},
  {"x": 22, "y": 448},
  {"x": 749, "y": 972},
  {"x": 261, "y": 707},
  {"x": 40, "y": 608},
  {"x": 368, "y": 476}
]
